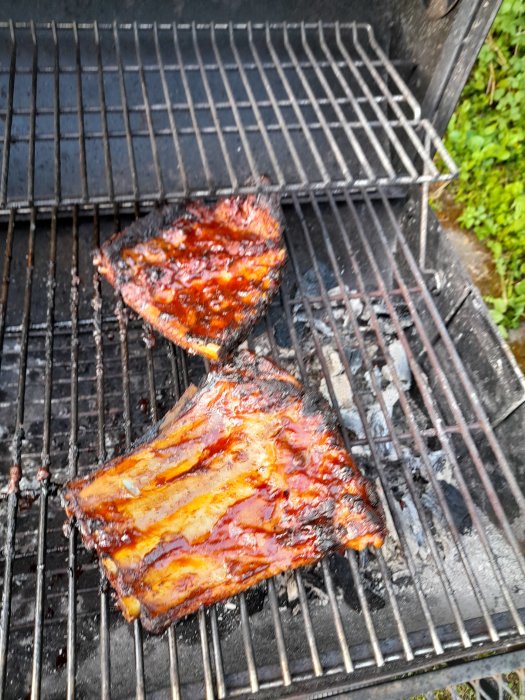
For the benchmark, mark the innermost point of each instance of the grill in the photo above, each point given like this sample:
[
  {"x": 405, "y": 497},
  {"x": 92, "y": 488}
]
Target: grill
[{"x": 102, "y": 120}]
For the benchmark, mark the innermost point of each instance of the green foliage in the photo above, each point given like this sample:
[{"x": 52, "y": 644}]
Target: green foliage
[{"x": 486, "y": 136}]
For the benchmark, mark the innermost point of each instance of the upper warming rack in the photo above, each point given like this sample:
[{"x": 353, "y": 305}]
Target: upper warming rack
[{"x": 104, "y": 113}]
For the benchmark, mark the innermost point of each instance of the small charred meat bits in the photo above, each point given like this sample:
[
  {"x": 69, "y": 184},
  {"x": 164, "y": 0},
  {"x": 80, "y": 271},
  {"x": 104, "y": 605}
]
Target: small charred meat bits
[
  {"x": 244, "y": 478},
  {"x": 201, "y": 275}
]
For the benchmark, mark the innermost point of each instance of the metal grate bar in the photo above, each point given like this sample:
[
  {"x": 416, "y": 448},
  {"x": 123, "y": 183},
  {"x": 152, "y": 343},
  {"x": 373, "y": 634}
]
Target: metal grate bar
[
  {"x": 32, "y": 123},
  {"x": 73, "y": 462},
  {"x": 43, "y": 472},
  {"x": 124, "y": 103},
  {"x": 105, "y": 669},
  {"x": 248, "y": 645},
  {"x": 217, "y": 654},
  {"x": 279, "y": 636},
  {"x": 205, "y": 649},
  {"x": 80, "y": 112},
  {"x": 303, "y": 73},
  {"x": 8, "y": 119},
  {"x": 4, "y": 290},
  {"x": 104, "y": 116},
  {"x": 434, "y": 415},
  {"x": 277, "y": 110},
  {"x": 341, "y": 638},
  {"x": 232, "y": 104},
  {"x": 308, "y": 626},
  {"x": 355, "y": 101},
  {"x": 405, "y": 158}
]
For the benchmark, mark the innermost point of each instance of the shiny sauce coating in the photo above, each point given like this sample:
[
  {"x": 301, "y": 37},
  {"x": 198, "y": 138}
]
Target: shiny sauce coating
[{"x": 210, "y": 268}]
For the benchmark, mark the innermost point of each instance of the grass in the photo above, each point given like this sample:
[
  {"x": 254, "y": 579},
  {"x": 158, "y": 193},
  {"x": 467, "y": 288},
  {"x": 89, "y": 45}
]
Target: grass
[{"x": 486, "y": 136}]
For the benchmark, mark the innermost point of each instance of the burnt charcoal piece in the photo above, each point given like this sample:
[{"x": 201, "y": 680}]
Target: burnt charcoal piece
[
  {"x": 201, "y": 275},
  {"x": 246, "y": 477}
]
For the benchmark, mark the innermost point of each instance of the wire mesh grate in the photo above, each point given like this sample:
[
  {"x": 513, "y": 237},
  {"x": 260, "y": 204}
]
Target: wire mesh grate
[
  {"x": 124, "y": 113},
  {"x": 81, "y": 377}
]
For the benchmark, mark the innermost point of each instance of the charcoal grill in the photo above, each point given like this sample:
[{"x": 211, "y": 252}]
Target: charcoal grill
[{"x": 100, "y": 120}]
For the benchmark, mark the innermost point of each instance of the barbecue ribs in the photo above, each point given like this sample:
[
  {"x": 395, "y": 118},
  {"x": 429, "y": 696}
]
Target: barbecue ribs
[
  {"x": 201, "y": 275},
  {"x": 244, "y": 478}
]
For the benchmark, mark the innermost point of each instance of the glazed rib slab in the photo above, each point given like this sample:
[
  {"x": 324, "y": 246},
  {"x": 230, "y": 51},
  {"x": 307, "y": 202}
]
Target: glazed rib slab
[
  {"x": 202, "y": 275},
  {"x": 245, "y": 478}
]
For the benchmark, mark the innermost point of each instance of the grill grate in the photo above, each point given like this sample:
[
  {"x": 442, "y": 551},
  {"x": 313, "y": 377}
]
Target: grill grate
[
  {"x": 104, "y": 113},
  {"x": 102, "y": 120},
  {"x": 81, "y": 376}
]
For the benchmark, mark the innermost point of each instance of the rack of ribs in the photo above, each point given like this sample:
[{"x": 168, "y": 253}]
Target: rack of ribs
[
  {"x": 202, "y": 275},
  {"x": 244, "y": 478}
]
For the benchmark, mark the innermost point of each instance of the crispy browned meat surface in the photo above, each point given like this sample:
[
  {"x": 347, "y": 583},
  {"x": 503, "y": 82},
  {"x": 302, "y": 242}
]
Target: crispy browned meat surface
[
  {"x": 201, "y": 275},
  {"x": 246, "y": 477}
]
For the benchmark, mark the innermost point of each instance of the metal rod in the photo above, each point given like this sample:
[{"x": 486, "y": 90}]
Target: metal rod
[
  {"x": 409, "y": 654},
  {"x": 153, "y": 140},
  {"x": 125, "y": 112},
  {"x": 217, "y": 654},
  {"x": 308, "y": 626},
  {"x": 8, "y": 118},
  {"x": 73, "y": 462},
  {"x": 32, "y": 120},
  {"x": 121, "y": 314},
  {"x": 385, "y": 123},
  {"x": 338, "y": 624},
  {"x": 6, "y": 269},
  {"x": 378, "y": 654},
  {"x": 248, "y": 644},
  {"x": 465, "y": 490},
  {"x": 342, "y": 161},
  {"x": 104, "y": 115},
  {"x": 43, "y": 471},
  {"x": 174, "y": 664},
  {"x": 170, "y": 112},
  {"x": 205, "y": 649},
  {"x": 395, "y": 441},
  {"x": 354, "y": 101},
  {"x": 411, "y": 134},
  {"x": 279, "y": 636},
  {"x": 56, "y": 116},
  {"x": 80, "y": 111},
  {"x": 105, "y": 668}
]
